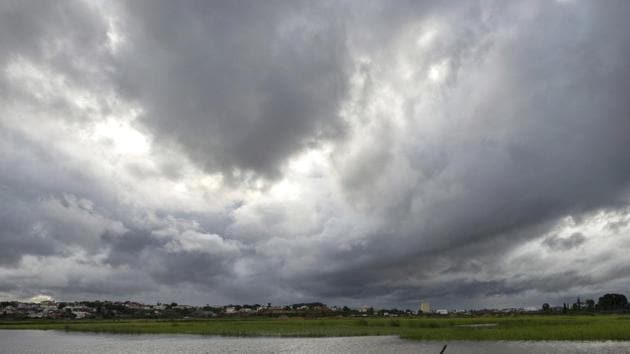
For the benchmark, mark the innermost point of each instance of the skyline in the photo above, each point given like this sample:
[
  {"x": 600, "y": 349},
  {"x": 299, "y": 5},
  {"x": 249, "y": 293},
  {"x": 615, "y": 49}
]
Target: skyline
[
  {"x": 606, "y": 303},
  {"x": 469, "y": 154}
]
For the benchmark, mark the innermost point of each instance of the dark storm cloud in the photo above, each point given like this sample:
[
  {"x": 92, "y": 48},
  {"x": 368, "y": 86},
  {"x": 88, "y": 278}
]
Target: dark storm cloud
[
  {"x": 18, "y": 235},
  {"x": 375, "y": 270},
  {"x": 456, "y": 136},
  {"x": 40, "y": 213},
  {"x": 173, "y": 257},
  {"x": 240, "y": 86},
  {"x": 534, "y": 128},
  {"x": 126, "y": 248}
]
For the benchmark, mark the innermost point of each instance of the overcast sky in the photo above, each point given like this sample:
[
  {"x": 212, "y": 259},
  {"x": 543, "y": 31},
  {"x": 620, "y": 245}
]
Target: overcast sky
[{"x": 468, "y": 154}]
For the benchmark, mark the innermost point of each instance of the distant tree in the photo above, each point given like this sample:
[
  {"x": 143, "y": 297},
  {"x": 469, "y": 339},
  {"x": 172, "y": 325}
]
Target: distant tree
[
  {"x": 611, "y": 302},
  {"x": 590, "y": 305},
  {"x": 565, "y": 309},
  {"x": 370, "y": 311},
  {"x": 545, "y": 307},
  {"x": 173, "y": 304}
]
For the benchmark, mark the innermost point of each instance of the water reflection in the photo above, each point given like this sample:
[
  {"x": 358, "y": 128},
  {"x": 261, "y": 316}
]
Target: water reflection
[{"x": 27, "y": 341}]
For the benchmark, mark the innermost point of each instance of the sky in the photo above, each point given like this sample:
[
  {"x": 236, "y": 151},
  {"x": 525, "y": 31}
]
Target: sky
[{"x": 468, "y": 154}]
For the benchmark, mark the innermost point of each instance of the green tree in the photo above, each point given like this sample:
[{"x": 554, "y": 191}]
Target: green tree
[
  {"x": 612, "y": 302},
  {"x": 590, "y": 305},
  {"x": 545, "y": 307}
]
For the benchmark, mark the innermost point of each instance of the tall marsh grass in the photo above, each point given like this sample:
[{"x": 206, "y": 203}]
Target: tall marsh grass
[{"x": 537, "y": 327}]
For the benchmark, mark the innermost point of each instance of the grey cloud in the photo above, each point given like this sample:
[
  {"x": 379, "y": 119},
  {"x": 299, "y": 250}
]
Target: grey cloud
[
  {"x": 425, "y": 195},
  {"x": 20, "y": 234},
  {"x": 530, "y": 130},
  {"x": 39, "y": 210},
  {"x": 127, "y": 247},
  {"x": 120, "y": 283},
  {"x": 193, "y": 267},
  {"x": 41, "y": 214},
  {"x": 67, "y": 38},
  {"x": 239, "y": 86},
  {"x": 564, "y": 243},
  {"x": 172, "y": 258}
]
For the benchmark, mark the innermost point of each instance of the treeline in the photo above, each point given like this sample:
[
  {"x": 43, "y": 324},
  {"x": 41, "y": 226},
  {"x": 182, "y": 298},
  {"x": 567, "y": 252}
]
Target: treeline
[{"x": 606, "y": 303}]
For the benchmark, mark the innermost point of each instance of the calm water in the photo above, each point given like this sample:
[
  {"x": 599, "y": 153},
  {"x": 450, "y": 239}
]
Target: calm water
[{"x": 62, "y": 342}]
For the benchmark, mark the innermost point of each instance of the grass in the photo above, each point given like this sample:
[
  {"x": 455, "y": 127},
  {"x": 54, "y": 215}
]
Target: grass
[{"x": 601, "y": 327}]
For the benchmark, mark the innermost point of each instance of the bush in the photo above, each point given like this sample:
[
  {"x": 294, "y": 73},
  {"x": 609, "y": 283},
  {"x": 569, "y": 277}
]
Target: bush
[{"x": 362, "y": 322}]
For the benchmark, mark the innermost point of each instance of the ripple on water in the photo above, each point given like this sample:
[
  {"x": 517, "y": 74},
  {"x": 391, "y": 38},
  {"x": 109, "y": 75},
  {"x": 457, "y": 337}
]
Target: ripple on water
[{"x": 32, "y": 341}]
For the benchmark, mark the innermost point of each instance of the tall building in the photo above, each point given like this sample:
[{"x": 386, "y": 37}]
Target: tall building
[{"x": 425, "y": 307}]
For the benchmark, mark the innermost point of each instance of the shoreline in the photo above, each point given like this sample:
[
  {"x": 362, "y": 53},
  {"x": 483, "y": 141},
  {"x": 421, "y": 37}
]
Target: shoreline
[
  {"x": 393, "y": 336},
  {"x": 517, "y": 328},
  {"x": 212, "y": 336}
]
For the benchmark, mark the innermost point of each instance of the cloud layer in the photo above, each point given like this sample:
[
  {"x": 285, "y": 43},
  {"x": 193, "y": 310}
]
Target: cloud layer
[{"x": 466, "y": 154}]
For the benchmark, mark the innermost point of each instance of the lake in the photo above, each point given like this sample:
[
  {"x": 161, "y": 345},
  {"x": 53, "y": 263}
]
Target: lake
[{"x": 34, "y": 341}]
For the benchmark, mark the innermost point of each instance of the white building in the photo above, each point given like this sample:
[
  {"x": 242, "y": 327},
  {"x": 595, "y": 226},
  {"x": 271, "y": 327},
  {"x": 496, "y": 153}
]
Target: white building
[{"x": 81, "y": 314}]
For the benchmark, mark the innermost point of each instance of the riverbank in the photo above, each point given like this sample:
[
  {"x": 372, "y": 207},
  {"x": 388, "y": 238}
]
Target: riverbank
[{"x": 589, "y": 328}]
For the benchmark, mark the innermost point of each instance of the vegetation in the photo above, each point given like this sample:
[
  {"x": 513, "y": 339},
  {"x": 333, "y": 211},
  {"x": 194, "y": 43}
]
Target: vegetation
[
  {"x": 612, "y": 302},
  {"x": 533, "y": 327}
]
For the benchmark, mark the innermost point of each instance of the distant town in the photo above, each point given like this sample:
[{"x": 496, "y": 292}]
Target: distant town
[{"x": 49, "y": 309}]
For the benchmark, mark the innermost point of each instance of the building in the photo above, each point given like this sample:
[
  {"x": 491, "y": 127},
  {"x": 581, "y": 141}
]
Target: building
[
  {"x": 81, "y": 314},
  {"x": 442, "y": 312},
  {"x": 425, "y": 307}
]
